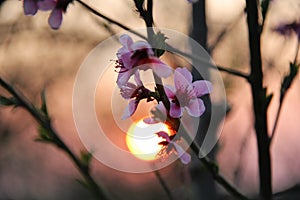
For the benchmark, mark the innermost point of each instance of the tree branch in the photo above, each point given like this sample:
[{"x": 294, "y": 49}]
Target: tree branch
[
  {"x": 45, "y": 123},
  {"x": 169, "y": 48},
  {"x": 260, "y": 103}
]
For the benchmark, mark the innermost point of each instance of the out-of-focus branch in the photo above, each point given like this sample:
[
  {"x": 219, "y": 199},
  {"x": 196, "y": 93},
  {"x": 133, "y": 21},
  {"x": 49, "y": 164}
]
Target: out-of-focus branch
[{"x": 45, "y": 123}]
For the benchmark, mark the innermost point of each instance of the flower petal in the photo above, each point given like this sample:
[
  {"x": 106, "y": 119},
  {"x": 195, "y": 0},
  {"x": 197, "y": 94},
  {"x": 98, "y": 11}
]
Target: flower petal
[
  {"x": 159, "y": 114},
  {"x": 137, "y": 78},
  {"x": 195, "y": 108},
  {"x": 170, "y": 91},
  {"x": 126, "y": 40},
  {"x": 123, "y": 78},
  {"x": 185, "y": 158},
  {"x": 127, "y": 90},
  {"x": 130, "y": 109},
  {"x": 182, "y": 78},
  {"x": 175, "y": 111},
  {"x": 192, "y": 1},
  {"x": 202, "y": 87},
  {"x": 164, "y": 135},
  {"x": 46, "y": 5},
  {"x": 55, "y": 18},
  {"x": 150, "y": 120},
  {"x": 141, "y": 45},
  {"x": 30, "y": 7},
  {"x": 160, "y": 68}
]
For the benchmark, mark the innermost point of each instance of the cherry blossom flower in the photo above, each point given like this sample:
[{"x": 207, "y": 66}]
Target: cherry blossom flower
[
  {"x": 138, "y": 55},
  {"x": 134, "y": 93},
  {"x": 56, "y": 16},
  {"x": 58, "y": 7},
  {"x": 32, "y": 6},
  {"x": 170, "y": 145},
  {"x": 185, "y": 94}
]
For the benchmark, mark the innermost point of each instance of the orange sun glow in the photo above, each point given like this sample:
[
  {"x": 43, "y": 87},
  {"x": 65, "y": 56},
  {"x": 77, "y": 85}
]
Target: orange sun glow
[{"x": 142, "y": 140}]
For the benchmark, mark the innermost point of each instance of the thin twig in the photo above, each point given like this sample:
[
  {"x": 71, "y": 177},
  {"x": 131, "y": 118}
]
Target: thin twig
[
  {"x": 163, "y": 184},
  {"x": 45, "y": 123},
  {"x": 169, "y": 47}
]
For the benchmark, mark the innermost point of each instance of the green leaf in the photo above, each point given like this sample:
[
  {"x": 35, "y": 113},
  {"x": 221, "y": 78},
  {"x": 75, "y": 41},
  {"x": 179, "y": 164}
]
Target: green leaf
[
  {"x": 86, "y": 157},
  {"x": 44, "y": 136},
  {"x": 288, "y": 79},
  {"x": 8, "y": 101},
  {"x": 159, "y": 43},
  {"x": 44, "y": 103}
]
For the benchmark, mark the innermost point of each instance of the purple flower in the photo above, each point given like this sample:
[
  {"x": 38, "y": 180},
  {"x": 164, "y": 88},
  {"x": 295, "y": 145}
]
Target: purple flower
[
  {"x": 56, "y": 16},
  {"x": 170, "y": 145},
  {"x": 138, "y": 55},
  {"x": 134, "y": 93},
  {"x": 192, "y": 1},
  {"x": 32, "y": 6},
  {"x": 185, "y": 94},
  {"x": 58, "y": 7}
]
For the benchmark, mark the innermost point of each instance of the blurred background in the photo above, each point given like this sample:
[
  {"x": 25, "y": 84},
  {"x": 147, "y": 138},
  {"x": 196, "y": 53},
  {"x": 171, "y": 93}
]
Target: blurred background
[{"x": 33, "y": 57}]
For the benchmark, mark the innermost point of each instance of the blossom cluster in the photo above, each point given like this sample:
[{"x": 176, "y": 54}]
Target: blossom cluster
[
  {"x": 57, "y": 7},
  {"x": 133, "y": 57}
]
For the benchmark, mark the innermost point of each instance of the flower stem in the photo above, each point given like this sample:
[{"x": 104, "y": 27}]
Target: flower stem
[{"x": 163, "y": 184}]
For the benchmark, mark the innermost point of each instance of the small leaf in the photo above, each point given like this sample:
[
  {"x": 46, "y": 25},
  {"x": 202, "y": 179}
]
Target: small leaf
[
  {"x": 86, "y": 157},
  {"x": 288, "y": 79},
  {"x": 44, "y": 104},
  {"x": 44, "y": 136},
  {"x": 159, "y": 44},
  {"x": 8, "y": 101},
  {"x": 268, "y": 99}
]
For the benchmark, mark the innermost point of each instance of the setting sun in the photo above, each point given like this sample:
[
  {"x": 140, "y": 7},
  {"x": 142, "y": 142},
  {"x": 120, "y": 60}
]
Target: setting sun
[{"x": 142, "y": 140}]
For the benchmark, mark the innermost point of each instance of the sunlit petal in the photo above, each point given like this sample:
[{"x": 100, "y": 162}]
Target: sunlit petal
[
  {"x": 195, "y": 108},
  {"x": 130, "y": 109},
  {"x": 182, "y": 78},
  {"x": 185, "y": 158},
  {"x": 202, "y": 87}
]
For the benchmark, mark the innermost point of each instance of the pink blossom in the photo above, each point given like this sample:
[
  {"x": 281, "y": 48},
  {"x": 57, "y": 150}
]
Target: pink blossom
[
  {"x": 159, "y": 114},
  {"x": 185, "y": 94},
  {"x": 134, "y": 93},
  {"x": 170, "y": 145},
  {"x": 138, "y": 55}
]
